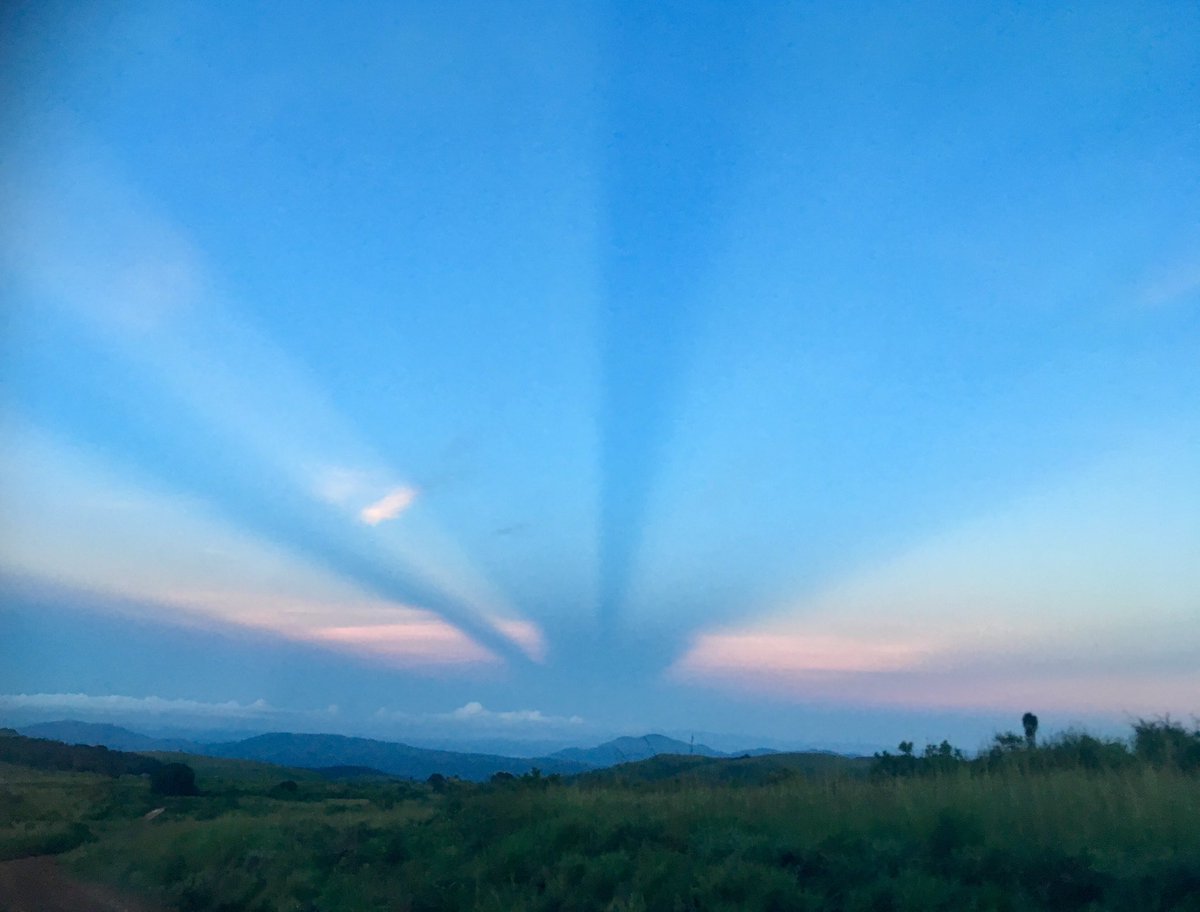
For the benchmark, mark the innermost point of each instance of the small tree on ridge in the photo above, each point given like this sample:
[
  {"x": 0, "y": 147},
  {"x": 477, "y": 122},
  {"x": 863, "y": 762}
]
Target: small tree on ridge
[{"x": 1030, "y": 722}]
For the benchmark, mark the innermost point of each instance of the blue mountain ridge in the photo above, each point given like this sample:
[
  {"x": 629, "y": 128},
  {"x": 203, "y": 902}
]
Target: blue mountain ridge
[{"x": 322, "y": 751}]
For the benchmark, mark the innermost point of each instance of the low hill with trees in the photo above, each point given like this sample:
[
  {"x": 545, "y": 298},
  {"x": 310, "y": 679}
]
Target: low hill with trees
[
  {"x": 396, "y": 759},
  {"x": 43, "y": 753}
]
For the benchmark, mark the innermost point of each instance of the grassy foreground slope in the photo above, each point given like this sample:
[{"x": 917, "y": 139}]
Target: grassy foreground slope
[{"x": 1007, "y": 836}]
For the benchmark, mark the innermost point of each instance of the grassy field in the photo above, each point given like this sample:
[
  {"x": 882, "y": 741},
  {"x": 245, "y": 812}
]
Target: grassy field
[{"x": 669, "y": 834}]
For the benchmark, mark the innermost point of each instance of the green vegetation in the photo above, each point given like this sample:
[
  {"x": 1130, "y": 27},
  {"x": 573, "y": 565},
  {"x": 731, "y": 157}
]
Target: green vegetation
[
  {"x": 42, "y": 753},
  {"x": 1069, "y": 822},
  {"x": 1160, "y": 744}
]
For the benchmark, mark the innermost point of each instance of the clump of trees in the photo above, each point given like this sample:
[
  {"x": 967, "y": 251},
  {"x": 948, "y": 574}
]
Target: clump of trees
[
  {"x": 173, "y": 779},
  {"x": 1163, "y": 743},
  {"x": 42, "y": 753},
  {"x": 287, "y": 789},
  {"x": 531, "y": 779},
  {"x": 940, "y": 758}
]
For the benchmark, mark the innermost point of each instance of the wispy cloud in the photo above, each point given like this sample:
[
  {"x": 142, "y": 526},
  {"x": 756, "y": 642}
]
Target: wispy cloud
[
  {"x": 103, "y": 704},
  {"x": 713, "y": 653},
  {"x": 990, "y": 685},
  {"x": 389, "y": 506},
  {"x": 986, "y": 614}
]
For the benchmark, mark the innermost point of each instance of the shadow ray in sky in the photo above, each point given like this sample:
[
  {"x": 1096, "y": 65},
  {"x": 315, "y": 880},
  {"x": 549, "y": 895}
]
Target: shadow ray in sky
[
  {"x": 671, "y": 147},
  {"x": 125, "y": 347},
  {"x": 152, "y": 437}
]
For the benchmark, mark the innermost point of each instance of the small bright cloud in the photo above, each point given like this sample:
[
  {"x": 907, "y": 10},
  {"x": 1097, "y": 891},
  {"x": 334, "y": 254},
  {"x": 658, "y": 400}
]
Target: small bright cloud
[
  {"x": 389, "y": 506},
  {"x": 477, "y": 711}
]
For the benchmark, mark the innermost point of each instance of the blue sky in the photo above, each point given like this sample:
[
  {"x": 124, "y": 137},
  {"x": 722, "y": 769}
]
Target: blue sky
[{"x": 817, "y": 372}]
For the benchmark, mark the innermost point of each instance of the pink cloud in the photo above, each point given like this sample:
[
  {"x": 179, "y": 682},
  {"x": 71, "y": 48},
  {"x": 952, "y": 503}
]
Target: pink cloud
[
  {"x": 527, "y": 635},
  {"x": 389, "y": 506},
  {"x": 842, "y": 671},
  {"x": 786, "y": 653},
  {"x": 426, "y": 641}
]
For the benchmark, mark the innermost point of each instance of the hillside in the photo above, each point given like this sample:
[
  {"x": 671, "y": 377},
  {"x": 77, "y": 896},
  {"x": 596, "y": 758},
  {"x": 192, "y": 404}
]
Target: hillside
[
  {"x": 321, "y": 751},
  {"x": 113, "y": 737},
  {"x": 624, "y": 750},
  {"x": 48, "y": 754}
]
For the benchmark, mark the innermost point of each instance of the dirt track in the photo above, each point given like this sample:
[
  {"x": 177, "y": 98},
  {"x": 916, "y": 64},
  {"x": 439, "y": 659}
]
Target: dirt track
[{"x": 41, "y": 885}]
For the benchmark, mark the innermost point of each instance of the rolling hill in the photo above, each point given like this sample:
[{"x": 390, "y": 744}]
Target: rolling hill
[
  {"x": 629, "y": 749},
  {"x": 625, "y": 750},
  {"x": 113, "y": 737},
  {"x": 320, "y": 751},
  {"x": 344, "y": 754}
]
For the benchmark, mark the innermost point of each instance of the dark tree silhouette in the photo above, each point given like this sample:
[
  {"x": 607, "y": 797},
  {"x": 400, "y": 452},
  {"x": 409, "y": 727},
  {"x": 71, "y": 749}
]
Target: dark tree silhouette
[
  {"x": 173, "y": 779},
  {"x": 43, "y": 753},
  {"x": 1030, "y": 722}
]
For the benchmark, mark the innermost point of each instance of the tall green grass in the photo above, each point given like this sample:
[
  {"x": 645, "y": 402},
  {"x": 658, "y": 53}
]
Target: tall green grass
[
  {"x": 1077, "y": 824},
  {"x": 1007, "y": 840}
]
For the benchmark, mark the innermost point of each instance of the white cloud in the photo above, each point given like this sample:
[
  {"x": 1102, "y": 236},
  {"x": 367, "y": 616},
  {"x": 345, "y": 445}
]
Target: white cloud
[
  {"x": 475, "y": 711},
  {"x": 389, "y": 506},
  {"x": 117, "y": 703},
  {"x": 477, "y": 715}
]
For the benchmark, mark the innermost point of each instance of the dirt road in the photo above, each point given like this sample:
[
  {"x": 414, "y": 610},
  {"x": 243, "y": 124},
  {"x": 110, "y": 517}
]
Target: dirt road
[{"x": 41, "y": 885}]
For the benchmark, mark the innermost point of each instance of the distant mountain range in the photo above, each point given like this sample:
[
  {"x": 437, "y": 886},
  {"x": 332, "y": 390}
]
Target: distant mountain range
[
  {"x": 113, "y": 737},
  {"x": 319, "y": 751},
  {"x": 627, "y": 750},
  {"x": 323, "y": 752}
]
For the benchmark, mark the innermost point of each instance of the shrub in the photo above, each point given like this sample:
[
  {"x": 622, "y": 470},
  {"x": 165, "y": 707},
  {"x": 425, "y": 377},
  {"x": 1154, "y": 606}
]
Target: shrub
[
  {"x": 173, "y": 779},
  {"x": 286, "y": 789},
  {"x": 1162, "y": 742}
]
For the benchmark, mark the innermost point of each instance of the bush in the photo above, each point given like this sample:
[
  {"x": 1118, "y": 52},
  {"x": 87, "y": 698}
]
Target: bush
[
  {"x": 285, "y": 790},
  {"x": 173, "y": 779},
  {"x": 1162, "y": 742},
  {"x": 44, "y": 840}
]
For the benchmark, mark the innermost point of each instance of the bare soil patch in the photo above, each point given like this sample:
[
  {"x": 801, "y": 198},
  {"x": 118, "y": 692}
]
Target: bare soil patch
[{"x": 40, "y": 884}]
